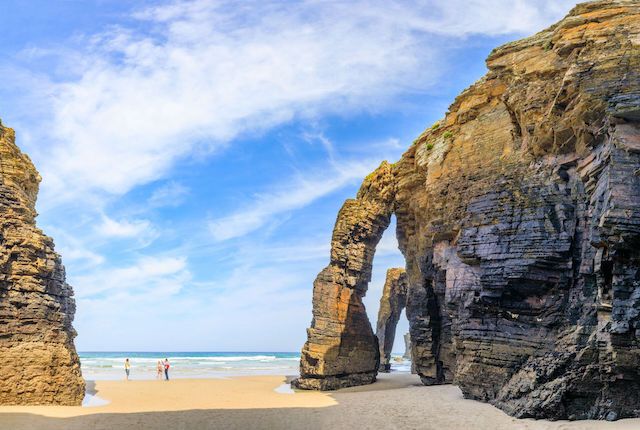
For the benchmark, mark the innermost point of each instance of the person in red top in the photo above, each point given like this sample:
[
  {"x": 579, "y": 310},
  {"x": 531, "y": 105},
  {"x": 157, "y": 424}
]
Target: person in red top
[{"x": 166, "y": 368}]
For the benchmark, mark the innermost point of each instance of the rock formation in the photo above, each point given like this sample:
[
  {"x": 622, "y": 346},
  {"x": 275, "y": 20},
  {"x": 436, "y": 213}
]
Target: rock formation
[
  {"x": 341, "y": 349},
  {"x": 407, "y": 347},
  {"x": 38, "y": 364},
  {"x": 392, "y": 303},
  {"x": 518, "y": 215}
]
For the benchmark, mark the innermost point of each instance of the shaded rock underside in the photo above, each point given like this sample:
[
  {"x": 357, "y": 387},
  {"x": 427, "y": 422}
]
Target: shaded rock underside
[{"x": 518, "y": 215}]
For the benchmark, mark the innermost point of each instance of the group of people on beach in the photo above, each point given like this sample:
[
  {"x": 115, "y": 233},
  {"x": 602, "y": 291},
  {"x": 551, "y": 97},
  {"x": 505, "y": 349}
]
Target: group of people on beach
[{"x": 162, "y": 366}]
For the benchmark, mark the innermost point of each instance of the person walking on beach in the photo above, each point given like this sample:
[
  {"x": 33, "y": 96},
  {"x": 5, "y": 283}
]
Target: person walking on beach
[
  {"x": 127, "y": 368},
  {"x": 160, "y": 367},
  {"x": 166, "y": 368}
]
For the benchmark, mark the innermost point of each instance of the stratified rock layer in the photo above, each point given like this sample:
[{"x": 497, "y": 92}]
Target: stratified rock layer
[
  {"x": 342, "y": 349},
  {"x": 38, "y": 361},
  {"x": 519, "y": 218},
  {"x": 392, "y": 303}
]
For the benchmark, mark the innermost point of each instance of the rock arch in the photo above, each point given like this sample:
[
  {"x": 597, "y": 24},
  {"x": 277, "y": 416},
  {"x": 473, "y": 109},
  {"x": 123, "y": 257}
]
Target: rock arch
[
  {"x": 518, "y": 215},
  {"x": 341, "y": 349}
]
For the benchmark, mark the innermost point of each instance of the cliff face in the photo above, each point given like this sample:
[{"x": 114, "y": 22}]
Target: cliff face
[
  {"x": 519, "y": 218},
  {"x": 38, "y": 361},
  {"x": 392, "y": 303}
]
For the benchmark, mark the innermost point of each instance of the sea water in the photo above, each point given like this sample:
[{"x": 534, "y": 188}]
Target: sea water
[{"x": 110, "y": 365}]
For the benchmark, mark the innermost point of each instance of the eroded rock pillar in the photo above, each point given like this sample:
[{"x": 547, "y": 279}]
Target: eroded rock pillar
[
  {"x": 392, "y": 302},
  {"x": 407, "y": 346},
  {"x": 342, "y": 349},
  {"x": 38, "y": 361}
]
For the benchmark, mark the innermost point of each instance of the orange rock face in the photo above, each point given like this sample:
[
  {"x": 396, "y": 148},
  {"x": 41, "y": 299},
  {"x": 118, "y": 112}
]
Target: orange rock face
[{"x": 38, "y": 361}]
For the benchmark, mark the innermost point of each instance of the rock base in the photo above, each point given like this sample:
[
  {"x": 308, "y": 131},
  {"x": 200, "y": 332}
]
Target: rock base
[{"x": 331, "y": 383}]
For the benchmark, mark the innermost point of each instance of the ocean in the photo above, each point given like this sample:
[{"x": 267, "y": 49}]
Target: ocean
[{"x": 110, "y": 365}]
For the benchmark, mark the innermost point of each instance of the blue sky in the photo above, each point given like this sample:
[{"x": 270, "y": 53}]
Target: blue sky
[{"x": 194, "y": 154}]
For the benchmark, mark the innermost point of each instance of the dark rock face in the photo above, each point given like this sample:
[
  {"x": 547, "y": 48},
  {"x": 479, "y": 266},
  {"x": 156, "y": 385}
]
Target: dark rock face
[
  {"x": 39, "y": 364},
  {"x": 519, "y": 218},
  {"x": 392, "y": 303}
]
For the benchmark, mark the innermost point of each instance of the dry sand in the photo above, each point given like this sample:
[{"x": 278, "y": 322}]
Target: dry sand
[{"x": 394, "y": 402}]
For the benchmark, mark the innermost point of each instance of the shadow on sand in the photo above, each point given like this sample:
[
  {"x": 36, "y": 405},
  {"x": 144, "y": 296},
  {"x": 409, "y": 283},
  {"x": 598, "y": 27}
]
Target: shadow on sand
[{"x": 393, "y": 402}]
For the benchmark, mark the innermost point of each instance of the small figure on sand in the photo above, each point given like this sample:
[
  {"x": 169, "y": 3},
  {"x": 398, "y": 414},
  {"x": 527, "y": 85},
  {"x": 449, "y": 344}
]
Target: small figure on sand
[
  {"x": 160, "y": 367},
  {"x": 127, "y": 368},
  {"x": 166, "y": 368}
]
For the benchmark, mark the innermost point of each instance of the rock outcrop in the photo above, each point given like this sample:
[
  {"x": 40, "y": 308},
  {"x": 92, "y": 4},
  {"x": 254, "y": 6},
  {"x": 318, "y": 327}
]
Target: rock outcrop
[
  {"x": 518, "y": 215},
  {"x": 38, "y": 361},
  {"x": 342, "y": 349},
  {"x": 392, "y": 303},
  {"x": 407, "y": 347}
]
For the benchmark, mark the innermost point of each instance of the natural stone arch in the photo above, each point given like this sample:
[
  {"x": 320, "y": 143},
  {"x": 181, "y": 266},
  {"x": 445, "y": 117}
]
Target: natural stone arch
[
  {"x": 392, "y": 303},
  {"x": 518, "y": 217},
  {"x": 342, "y": 349}
]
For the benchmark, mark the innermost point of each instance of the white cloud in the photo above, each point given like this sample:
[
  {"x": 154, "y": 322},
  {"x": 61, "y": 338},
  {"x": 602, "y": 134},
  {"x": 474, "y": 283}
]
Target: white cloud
[
  {"x": 209, "y": 71},
  {"x": 170, "y": 194},
  {"x": 157, "y": 275},
  {"x": 132, "y": 103},
  {"x": 81, "y": 254},
  {"x": 298, "y": 193},
  {"x": 124, "y": 228},
  {"x": 254, "y": 299}
]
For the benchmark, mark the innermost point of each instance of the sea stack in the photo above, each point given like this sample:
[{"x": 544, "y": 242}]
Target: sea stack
[
  {"x": 39, "y": 363},
  {"x": 341, "y": 349},
  {"x": 407, "y": 347},
  {"x": 392, "y": 303},
  {"x": 518, "y": 215}
]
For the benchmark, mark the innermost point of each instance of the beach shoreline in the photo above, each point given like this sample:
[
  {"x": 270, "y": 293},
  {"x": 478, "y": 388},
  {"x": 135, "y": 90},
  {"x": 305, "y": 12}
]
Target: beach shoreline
[{"x": 394, "y": 401}]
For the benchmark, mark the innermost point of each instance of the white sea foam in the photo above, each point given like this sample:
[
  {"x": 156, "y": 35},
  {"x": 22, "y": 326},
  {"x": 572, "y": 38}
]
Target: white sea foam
[{"x": 215, "y": 365}]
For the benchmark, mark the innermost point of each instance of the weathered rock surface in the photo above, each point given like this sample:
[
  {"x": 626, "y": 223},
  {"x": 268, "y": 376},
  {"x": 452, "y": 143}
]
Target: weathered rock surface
[
  {"x": 38, "y": 361},
  {"x": 519, "y": 218},
  {"x": 342, "y": 349},
  {"x": 407, "y": 346},
  {"x": 392, "y": 303}
]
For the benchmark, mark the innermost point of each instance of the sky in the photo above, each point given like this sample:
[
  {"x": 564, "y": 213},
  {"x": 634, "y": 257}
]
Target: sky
[{"x": 194, "y": 154}]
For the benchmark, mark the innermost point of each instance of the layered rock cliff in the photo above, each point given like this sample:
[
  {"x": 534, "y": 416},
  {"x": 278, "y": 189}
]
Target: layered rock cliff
[
  {"x": 518, "y": 215},
  {"x": 392, "y": 303},
  {"x": 38, "y": 361}
]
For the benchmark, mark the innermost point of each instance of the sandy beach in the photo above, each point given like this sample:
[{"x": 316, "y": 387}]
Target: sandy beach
[{"x": 395, "y": 401}]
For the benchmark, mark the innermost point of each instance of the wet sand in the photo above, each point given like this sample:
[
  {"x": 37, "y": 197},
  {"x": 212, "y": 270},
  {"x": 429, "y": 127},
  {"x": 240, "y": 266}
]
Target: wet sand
[{"x": 251, "y": 402}]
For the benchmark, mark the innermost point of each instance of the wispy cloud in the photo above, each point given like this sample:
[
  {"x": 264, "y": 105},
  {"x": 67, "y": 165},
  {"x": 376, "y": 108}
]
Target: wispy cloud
[
  {"x": 170, "y": 194},
  {"x": 83, "y": 254},
  {"x": 121, "y": 108},
  {"x": 125, "y": 228},
  {"x": 208, "y": 71},
  {"x": 298, "y": 193},
  {"x": 157, "y": 275}
]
